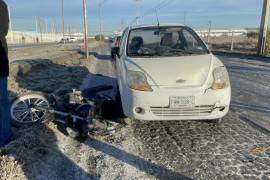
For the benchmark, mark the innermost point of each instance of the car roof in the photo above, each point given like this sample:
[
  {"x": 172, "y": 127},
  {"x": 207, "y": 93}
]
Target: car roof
[{"x": 156, "y": 25}]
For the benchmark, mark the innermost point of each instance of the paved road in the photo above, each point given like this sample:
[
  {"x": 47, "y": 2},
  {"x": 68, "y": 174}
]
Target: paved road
[
  {"x": 199, "y": 150},
  {"x": 250, "y": 80}
]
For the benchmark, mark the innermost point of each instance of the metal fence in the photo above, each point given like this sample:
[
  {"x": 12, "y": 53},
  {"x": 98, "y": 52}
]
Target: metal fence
[
  {"x": 232, "y": 41},
  {"x": 32, "y": 38},
  {"x": 241, "y": 41}
]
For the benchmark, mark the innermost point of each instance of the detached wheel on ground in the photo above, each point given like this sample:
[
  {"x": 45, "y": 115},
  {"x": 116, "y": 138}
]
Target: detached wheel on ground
[{"x": 30, "y": 109}]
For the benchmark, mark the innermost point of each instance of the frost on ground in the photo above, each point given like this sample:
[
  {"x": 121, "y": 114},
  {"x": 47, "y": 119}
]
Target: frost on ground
[{"x": 137, "y": 150}]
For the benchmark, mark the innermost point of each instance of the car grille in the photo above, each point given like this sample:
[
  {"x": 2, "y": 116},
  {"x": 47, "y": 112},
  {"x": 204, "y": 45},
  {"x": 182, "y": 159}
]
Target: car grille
[{"x": 183, "y": 111}]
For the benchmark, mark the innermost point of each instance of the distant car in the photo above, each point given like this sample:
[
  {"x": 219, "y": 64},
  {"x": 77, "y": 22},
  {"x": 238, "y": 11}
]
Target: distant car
[
  {"x": 115, "y": 46},
  {"x": 166, "y": 72},
  {"x": 64, "y": 40},
  {"x": 72, "y": 39}
]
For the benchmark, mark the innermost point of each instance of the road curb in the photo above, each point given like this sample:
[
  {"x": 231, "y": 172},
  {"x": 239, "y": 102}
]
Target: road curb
[
  {"x": 243, "y": 55},
  {"x": 255, "y": 124}
]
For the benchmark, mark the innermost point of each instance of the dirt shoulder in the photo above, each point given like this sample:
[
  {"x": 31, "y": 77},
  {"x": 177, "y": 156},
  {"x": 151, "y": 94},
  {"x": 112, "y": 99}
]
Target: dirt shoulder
[{"x": 42, "y": 152}]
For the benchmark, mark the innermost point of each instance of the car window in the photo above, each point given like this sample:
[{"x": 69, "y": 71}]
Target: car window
[
  {"x": 192, "y": 43},
  {"x": 164, "y": 41}
]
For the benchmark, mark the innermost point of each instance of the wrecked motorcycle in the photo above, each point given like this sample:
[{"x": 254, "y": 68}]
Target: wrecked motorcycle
[{"x": 77, "y": 110}]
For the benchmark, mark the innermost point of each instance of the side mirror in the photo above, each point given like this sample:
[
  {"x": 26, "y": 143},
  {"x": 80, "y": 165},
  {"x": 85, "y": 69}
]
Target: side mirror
[{"x": 115, "y": 51}]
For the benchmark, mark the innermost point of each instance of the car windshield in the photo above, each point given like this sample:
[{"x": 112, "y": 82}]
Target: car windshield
[{"x": 164, "y": 41}]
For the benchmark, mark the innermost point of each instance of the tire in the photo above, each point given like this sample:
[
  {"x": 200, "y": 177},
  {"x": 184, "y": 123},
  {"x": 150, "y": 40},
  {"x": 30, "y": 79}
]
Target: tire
[{"x": 29, "y": 109}]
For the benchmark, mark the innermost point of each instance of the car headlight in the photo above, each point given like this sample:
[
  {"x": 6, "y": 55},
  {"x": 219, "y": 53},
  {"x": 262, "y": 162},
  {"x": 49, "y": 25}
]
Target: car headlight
[
  {"x": 221, "y": 78},
  {"x": 138, "y": 81}
]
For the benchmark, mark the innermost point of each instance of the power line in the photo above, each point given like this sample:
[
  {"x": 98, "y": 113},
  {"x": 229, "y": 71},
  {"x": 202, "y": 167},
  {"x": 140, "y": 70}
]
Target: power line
[
  {"x": 155, "y": 9},
  {"x": 161, "y": 5}
]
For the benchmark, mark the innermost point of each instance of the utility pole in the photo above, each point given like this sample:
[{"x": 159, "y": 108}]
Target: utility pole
[
  {"x": 85, "y": 29},
  {"x": 209, "y": 32},
  {"x": 63, "y": 19},
  {"x": 263, "y": 28},
  {"x": 100, "y": 18},
  {"x": 232, "y": 41},
  {"x": 36, "y": 21},
  {"x": 37, "y": 31},
  {"x": 185, "y": 17},
  {"x": 138, "y": 13},
  {"x": 46, "y": 26},
  {"x": 10, "y": 26},
  {"x": 40, "y": 30},
  {"x": 55, "y": 30}
]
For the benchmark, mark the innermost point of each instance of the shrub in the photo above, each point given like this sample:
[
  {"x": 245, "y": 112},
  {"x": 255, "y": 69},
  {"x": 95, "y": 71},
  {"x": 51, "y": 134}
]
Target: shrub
[
  {"x": 253, "y": 35},
  {"x": 99, "y": 38}
]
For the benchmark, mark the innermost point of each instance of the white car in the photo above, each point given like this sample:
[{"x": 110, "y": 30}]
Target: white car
[
  {"x": 166, "y": 72},
  {"x": 73, "y": 40}
]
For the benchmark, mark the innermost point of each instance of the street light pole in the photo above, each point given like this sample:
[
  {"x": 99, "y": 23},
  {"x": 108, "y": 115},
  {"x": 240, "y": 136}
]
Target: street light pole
[
  {"x": 63, "y": 20},
  {"x": 99, "y": 15},
  {"x": 85, "y": 29},
  {"x": 138, "y": 13},
  {"x": 263, "y": 27},
  {"x": 100, "y": 18},
  {"x": 36, "y": 20},
  {"x": 209, "y": 32},
  {"x": 10, "y": 26}
]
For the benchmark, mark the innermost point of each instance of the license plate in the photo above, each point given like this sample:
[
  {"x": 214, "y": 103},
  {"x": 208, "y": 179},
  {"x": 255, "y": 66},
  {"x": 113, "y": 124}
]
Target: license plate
[{"x": 179, "y": 101}]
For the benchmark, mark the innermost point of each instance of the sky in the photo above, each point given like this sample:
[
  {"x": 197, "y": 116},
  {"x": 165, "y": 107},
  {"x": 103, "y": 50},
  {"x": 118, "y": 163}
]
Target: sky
[{"x": 120, "y": 13}]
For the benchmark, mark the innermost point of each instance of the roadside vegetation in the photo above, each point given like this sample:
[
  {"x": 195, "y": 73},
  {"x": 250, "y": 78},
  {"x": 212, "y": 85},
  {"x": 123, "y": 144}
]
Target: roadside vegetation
[
  {"x": 255, "y": 35},
  {"x": 267, "y": 50},
  {"x": 99, "y": 38}
]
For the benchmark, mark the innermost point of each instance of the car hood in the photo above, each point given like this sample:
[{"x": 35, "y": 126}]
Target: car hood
[{"x": 173, "y": 71}]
